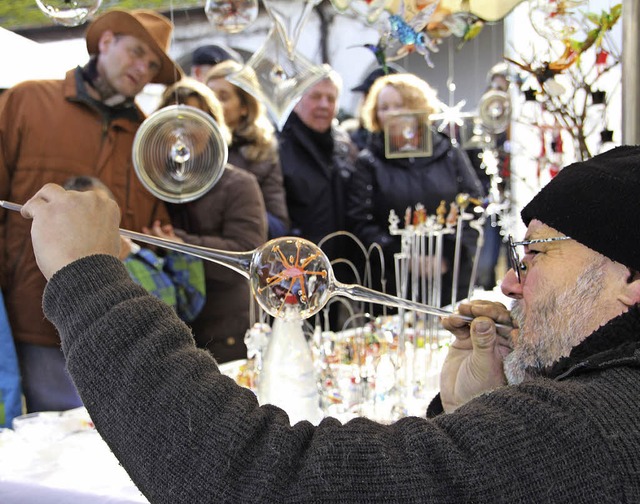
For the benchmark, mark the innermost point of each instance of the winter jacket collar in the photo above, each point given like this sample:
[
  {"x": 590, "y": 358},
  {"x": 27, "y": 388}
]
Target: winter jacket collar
[
  {"x": 75, "y": 89},
  {"x": 617, "y": 343}
]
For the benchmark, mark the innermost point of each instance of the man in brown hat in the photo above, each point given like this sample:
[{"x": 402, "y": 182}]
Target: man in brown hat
[{"x": 81, "y": 125}]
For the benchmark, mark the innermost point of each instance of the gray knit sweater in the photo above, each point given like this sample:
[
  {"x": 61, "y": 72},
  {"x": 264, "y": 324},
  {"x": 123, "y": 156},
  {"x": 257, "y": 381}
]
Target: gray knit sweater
[{"x": 187, "y": 434}]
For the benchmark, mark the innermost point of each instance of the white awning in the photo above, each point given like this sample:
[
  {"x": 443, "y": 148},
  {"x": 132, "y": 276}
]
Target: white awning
[{"x": 23, "y": 59}]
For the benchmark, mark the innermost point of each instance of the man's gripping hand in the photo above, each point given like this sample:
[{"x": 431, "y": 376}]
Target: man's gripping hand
[
  {"x": 69, "y": 225},
  {"x": 474, "y": 362}
]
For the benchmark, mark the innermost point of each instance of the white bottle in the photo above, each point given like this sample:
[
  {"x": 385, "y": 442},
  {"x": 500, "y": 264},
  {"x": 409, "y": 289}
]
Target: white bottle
[{"x": 288, "y": 378}]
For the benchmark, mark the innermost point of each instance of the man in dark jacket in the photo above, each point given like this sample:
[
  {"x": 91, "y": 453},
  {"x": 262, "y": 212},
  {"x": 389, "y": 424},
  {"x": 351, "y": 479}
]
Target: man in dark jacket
[
  {"x": 317, "y": 163},
  {"x": 568, "y": 432}
]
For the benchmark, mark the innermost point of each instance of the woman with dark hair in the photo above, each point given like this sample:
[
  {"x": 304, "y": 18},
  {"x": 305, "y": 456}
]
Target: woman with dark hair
[
  {"x": 254, "y": 145},
  {"x": 231, "y": 216}
]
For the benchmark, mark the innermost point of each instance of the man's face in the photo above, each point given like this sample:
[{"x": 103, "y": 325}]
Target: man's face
[
  {"x": 318, "y": 106},
  {"x": 127, "y": 63},
  {"x": 567, "y": 292}
]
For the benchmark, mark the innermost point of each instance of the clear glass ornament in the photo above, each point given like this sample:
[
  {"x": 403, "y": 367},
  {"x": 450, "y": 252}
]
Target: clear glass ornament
[
  {"x": 69, "y": 12},
  {"x": 179, "y": 153},
  {"x": 231, "y": 16},
  {"x": 282, "y": 78},
  {"x": 289, "y": 17},
  {"x": 293, "y": 274},
  {"x": 556, "y": 20}
]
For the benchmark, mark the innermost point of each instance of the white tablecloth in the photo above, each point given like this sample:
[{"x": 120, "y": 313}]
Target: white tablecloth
[{"x": 58, "y": 457}]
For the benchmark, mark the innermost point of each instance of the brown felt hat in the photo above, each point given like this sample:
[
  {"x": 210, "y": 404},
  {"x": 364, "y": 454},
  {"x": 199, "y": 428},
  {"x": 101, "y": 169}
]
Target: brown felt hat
[{"x": 146, "y": 25}]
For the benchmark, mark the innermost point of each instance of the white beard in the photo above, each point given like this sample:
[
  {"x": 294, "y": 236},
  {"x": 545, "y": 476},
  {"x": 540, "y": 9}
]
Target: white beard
[{"x": 554, "y": 325}]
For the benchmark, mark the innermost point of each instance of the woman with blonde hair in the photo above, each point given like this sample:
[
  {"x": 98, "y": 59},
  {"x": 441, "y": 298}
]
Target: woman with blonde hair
[
  {"x": 382, "y": 182},
  {"x": 254, "y": 145},
  {"x": 230, "y": 216}
]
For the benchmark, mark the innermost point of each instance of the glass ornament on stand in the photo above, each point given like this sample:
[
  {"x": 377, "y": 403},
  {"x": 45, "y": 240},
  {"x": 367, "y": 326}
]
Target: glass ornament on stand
[
  {"x": 179, "y": 153},
  {"x": 231, "y": 16},
  {"x": 69, "y": 12},
  {"x": 282, "y": 79}
]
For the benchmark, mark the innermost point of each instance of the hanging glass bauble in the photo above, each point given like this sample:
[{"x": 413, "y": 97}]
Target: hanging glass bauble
[
  {"x": 69, "y": 12},
  {"x": 231, "y": 16},
  {"x": 179, "y": 153},
  {"x": 556, "y": 20},
  {"x": 281, "y": 79},
  {"x": 289, "y": 17}
]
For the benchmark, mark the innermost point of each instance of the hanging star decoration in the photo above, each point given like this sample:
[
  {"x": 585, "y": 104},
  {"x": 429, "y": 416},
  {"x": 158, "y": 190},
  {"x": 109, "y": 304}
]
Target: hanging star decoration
[{"x": 450, "y": 115}]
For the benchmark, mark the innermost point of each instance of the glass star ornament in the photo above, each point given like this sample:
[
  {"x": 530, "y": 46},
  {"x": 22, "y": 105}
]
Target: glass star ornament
[
  {"x": 450, "y": 115},
  {"x": 289, "y": 17},
  {"x": 231, "y": 16},
  {"x": 281, "y": 79},
  {"x": 69, "y": 12}
]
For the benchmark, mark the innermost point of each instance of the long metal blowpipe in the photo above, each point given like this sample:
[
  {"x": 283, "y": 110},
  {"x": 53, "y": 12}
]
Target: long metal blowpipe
[{"x": 279, "y": 263}]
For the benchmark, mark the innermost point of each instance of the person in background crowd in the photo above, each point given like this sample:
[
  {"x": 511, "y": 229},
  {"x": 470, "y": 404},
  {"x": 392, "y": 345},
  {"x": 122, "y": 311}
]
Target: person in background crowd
[
  {"x": 82, "y": 125},
  {"x": 231, "y": 216},
  {"x": 176, "y": 278},
  {"x": 254, "y": 146},
  {"x": 207, "y": 56},
  {"x": 10, "y": 387},
  {"x": 317, "y": 164},
  {"x": 381, "y": 184},
  {"x": 358, "y": 133},
  {"x": 563, "y": 430}
]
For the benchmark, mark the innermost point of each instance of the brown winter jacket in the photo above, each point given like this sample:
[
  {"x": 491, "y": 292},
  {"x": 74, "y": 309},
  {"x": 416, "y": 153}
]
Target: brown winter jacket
[
  {"x": 269, "y": 175},
  {"x": 49, "y": 133},
  {"x": 231, "y": 216}
]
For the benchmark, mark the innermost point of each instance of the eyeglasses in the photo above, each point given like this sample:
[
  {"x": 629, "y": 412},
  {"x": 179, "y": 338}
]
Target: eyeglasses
[{"x": 514, "y": 259}]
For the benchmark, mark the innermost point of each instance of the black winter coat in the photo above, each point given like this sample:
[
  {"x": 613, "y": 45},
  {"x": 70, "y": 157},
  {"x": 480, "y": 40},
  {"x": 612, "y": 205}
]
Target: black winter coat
[
  {"x": 317, "y": 169},
  {"x": 380, "y": 185}
]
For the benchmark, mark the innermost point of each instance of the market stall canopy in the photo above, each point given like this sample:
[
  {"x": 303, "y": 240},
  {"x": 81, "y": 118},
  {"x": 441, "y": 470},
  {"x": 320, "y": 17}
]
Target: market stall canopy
[{"x": 23, "y": 59}]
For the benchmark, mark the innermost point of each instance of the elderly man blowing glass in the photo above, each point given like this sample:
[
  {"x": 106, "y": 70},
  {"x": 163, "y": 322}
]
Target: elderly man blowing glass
[{"x": 565, "y": 428}]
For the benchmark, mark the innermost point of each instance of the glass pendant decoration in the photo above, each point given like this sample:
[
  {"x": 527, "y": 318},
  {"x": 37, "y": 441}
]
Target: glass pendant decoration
[
  {"x": 289, "y": 17},
  {"x": 179, "y": 153},
  {"x": 556, "y": 20},
  {"x": 231, "y": 16},
  {"x": 282, "y": 78},
  {"x": 69, "y": 12}
]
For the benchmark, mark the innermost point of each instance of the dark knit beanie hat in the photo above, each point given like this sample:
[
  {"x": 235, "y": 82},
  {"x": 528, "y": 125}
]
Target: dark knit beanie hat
[{"x": 596, "y": 202}]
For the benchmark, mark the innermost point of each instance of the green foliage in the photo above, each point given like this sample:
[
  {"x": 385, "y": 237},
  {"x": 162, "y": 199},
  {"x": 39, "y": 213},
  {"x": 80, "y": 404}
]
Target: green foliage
[{"x": 21, "y": 14}]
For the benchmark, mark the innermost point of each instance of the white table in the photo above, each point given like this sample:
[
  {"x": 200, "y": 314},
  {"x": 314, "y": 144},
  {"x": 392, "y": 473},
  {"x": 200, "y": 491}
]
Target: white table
[{"x": 59, "y": 458}]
